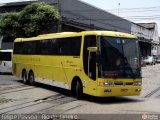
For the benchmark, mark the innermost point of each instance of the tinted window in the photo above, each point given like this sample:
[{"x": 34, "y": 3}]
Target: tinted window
[
  {"x": 25, "y": 48},
  {"x": 44, "y": 47},
  {"x": 62, "y": 46},
  {"x": 29, "y": 47},
  {"x": 17, "y": 49},
  {"x": 5, "y": 56},
  {"x": 119, "y": 58},
  {"x": 70, "y": 46}
]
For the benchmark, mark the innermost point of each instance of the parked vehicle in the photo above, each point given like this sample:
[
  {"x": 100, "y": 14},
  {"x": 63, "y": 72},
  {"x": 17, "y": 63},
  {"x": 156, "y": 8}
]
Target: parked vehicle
[
  {"x": 150, "y": 60},
  {"x": 158, "y": 59},
  {"x": 143, "y": 63},
  {"x": 6, "y": 61}
]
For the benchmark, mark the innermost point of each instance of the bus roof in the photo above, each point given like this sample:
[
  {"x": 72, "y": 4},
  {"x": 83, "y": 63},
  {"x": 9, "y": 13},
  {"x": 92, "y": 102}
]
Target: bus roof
[
  {"x": 72, "y": 34},
  {"x": 110, "y": 33}
]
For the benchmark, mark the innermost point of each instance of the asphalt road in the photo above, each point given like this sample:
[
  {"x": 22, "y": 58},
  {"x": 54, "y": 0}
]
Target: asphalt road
[{"x": 55, "y": 103}]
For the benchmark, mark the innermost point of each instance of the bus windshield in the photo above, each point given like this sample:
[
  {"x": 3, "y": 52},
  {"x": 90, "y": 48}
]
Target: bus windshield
[{"x": 119, "y": 58}]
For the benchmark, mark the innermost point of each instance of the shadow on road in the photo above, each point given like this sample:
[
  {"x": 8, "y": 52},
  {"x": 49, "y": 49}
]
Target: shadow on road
[
  {"x": 111, "y": 100},
  {"x": 5, "y": 73}
]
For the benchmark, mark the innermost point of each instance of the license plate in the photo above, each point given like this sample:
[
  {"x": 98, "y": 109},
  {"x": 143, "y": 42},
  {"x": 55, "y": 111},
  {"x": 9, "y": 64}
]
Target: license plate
[{"x": 124, "y": 90}]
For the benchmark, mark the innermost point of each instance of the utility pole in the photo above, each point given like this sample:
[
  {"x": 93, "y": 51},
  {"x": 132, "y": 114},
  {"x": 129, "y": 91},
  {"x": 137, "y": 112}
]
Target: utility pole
[{"x": 119, "y": 4}]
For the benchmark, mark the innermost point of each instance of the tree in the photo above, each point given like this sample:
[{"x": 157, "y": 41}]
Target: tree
[
  {"x": 38, "y": 18},
  {"x": 9, "y": 26},
  {"x": 34, "y": 19}
]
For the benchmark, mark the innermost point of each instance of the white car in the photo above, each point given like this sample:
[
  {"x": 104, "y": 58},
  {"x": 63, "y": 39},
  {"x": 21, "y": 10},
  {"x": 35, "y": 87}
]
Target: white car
[{"x": 150, "y": 60}]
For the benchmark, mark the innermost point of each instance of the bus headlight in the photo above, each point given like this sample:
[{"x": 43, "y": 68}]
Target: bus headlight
[
  {"x": 137, "y": 83},
  {"x": 138, "y": 90},
  {"x": 106, "y": 84}
]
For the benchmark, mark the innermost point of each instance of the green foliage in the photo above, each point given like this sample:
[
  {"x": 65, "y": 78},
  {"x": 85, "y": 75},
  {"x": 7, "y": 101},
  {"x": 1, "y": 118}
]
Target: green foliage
[
  {"x": 34, "y": 19},
  {"x": 38, "y": 18},
  {"x": 9, "y": 26}
]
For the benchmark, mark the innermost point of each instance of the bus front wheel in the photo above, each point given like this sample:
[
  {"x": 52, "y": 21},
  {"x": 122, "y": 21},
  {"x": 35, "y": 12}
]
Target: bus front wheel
[
  {"x": 79, "y": 90},
  {"x": 31, "y": 78}
]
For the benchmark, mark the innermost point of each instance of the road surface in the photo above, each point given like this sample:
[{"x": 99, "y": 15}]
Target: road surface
[{"x": 17, "y": 98}]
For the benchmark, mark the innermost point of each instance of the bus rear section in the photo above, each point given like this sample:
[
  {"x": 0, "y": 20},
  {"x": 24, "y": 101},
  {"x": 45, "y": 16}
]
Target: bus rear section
[{"x": 6, "y": 61}]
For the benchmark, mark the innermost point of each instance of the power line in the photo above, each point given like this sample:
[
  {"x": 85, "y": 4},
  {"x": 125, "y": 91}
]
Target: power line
[
  {"x": 128, "y": 9},
  {"x": 91, "y": 14},
  {"x": 99, "y": 16}
]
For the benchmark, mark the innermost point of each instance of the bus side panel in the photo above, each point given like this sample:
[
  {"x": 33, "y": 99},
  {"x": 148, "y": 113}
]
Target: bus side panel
[
  {"x": 73, "y": 68},
  {"x": 42, "y": 68}
]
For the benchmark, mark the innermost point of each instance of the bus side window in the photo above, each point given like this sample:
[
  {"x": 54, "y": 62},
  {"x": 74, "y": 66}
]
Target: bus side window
[
  {"x": 89, "y": 41},
  {"x": 70, "y": 46}
]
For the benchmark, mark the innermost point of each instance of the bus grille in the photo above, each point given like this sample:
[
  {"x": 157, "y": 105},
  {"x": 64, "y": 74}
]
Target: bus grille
[{"x": 123, "y": 83}]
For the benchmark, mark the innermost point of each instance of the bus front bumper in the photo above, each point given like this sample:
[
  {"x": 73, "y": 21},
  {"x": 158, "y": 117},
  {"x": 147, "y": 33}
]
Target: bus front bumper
[{"x": 118, "y": 91}]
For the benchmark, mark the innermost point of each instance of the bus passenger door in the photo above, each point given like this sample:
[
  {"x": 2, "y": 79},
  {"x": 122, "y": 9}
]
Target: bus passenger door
[
  {"x": 92, "y": 65},
  {"x": 89, "y": 62},
  {"x": 92, "y": 71}
]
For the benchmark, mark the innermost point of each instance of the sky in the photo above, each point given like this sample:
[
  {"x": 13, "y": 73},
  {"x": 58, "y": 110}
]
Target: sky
[
  {"x": 6, "y": 1},
  {"x": 137, "y": 11}
]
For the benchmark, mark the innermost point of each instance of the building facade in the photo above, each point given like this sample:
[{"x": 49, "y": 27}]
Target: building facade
[
  {"x": 148, "y": 38},
  {"x": 155, "y": 41}
]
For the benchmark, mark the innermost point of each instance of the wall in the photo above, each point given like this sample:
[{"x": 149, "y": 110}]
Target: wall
[{"x": 141, "y": 32}]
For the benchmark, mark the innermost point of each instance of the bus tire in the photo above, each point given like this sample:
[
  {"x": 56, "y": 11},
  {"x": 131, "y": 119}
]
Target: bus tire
[
  {"x": 31, "y": 78},
  {"x": 78, "y": 90},
  {"x": 24, "y": 76}
]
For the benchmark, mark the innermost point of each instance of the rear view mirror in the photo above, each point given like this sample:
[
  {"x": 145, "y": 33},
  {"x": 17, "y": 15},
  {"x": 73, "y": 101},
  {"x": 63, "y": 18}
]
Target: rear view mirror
[{"x": 92, "y": 49}]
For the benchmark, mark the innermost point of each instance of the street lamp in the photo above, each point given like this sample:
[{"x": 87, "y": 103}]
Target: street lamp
[{"x": 119, "y": 4}]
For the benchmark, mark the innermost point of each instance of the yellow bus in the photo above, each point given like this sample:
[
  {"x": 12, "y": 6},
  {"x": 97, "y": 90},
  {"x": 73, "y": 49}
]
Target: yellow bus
[{"x": 98, "y": 63}]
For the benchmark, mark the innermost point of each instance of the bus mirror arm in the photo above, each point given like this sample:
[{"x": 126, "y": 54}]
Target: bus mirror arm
[
  {"x": 98, "y": 58},
  {"x": 95, "y": 50},
  {"x": 92, "y": 49}
]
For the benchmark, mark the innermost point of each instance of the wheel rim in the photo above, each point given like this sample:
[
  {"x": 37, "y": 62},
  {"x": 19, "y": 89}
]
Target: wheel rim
[
  {"x": 31, "y": 79},
  {"x": 24, "y": 79}
]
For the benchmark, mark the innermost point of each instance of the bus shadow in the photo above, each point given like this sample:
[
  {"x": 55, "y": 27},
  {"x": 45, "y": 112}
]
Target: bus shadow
[
  {"x": 111, "y": 100},
  {"x": 99, "y": 100},
  {"x": 1, "y": 73},
  {"x": 51, "y": 88}
]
